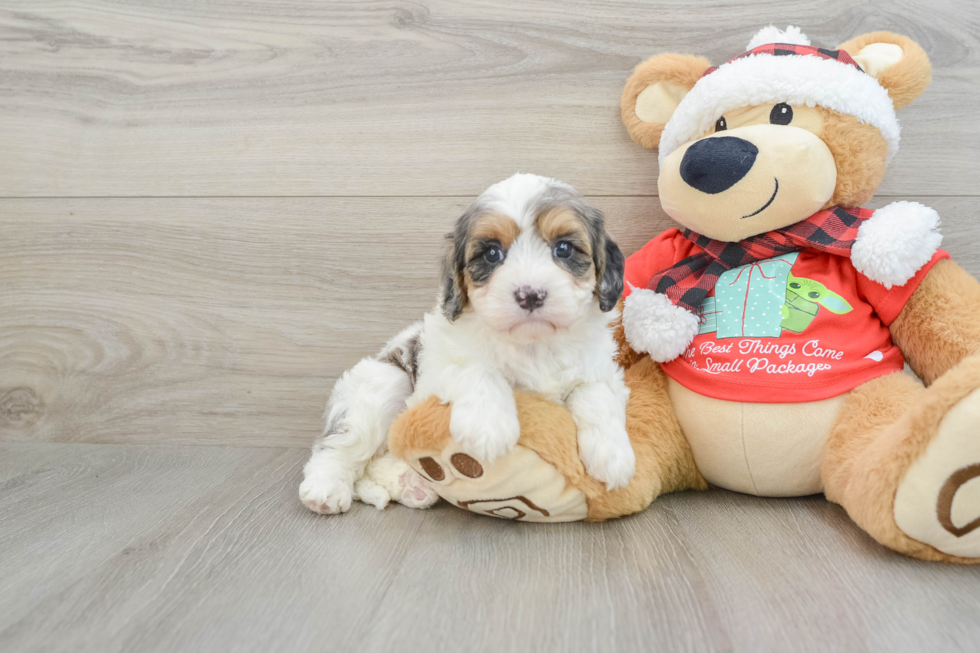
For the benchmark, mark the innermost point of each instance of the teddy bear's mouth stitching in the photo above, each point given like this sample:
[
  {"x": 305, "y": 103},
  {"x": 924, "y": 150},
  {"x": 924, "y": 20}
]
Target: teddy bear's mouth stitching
[{"x": 766, "y": 205}]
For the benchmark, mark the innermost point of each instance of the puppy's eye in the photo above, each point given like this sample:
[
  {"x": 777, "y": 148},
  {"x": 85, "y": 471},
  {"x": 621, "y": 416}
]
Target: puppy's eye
[
  {"x": 563, "y": 249},
  {"x": 493, "y": 255},
  {"x": 781, "y": 114},
  {"x": 721, "y": 125}
]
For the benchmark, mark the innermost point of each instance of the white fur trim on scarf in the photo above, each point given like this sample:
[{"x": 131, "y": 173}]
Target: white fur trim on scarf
[
  {"x": 794, "y": 79},
  {"x": 772, "y": 34},
  {"x": 654, "y": 325},
  {"x": 894, "y": 243}
]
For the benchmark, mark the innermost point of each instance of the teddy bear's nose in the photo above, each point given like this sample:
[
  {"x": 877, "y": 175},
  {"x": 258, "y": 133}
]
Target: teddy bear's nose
[{"x": 713, "y": 165}]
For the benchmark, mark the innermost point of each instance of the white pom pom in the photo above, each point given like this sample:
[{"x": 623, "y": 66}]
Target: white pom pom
[
  {"x": 894, "y": 243},
  {"x": 773, "y": 34},
  {"x": 653, "y": 325}
]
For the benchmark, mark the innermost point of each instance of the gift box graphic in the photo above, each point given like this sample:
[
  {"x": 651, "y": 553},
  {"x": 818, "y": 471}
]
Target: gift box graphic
[{"x": 749, "y": 300}]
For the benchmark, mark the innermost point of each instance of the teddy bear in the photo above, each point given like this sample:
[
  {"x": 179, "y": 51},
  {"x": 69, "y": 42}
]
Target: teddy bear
[{"x": 764, "y": 339}]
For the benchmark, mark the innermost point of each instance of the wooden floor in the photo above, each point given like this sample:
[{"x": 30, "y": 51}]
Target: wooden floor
[
  {"x": 136, "y": 548},
  {"x": 210, "y": 208}
]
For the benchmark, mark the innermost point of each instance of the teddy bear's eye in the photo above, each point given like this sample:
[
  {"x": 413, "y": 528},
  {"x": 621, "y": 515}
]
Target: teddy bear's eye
[
  {"x": 721, "y": 125},
  {"x": 781, "y": 114}
]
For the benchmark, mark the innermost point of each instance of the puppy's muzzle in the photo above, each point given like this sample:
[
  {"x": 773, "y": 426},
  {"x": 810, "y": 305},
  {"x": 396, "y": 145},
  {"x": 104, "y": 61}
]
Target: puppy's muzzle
[
  {"x": 530, "y": 298},
  {"x": 713, "y": 165}
]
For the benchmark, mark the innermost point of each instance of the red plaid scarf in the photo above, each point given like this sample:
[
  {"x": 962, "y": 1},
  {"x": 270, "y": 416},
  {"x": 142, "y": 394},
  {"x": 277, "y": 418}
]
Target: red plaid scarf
[{"x": 687, "y": 283}]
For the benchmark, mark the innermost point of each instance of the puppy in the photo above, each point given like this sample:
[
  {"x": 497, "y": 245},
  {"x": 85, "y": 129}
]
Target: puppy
[{"x": 529, "y": 286}]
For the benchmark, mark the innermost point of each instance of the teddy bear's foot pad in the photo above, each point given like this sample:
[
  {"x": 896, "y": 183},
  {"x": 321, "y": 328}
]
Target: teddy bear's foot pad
[
  {"x": 938, "y": 501},
  {"x": 519, "y": 486}
]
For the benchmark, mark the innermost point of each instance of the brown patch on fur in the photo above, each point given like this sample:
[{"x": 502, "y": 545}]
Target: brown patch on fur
[
  {"x": 680, "y": 69},
  {"x": 940, "y": 324},
  {"x": 559, "y": 221},
  {"x": 885, "y": 425},
  {"x": 860, "y": 152},
  {"x": 492, "y": 226},
  {"x": 905, "y": 80}
]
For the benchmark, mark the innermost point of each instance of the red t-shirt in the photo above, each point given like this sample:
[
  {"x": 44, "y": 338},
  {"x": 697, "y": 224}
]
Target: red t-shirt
[{"x": 799, "y": 327}]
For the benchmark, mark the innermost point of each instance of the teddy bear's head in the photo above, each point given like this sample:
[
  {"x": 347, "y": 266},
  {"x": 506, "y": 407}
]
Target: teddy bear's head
[{"x": 776, "y": 134}]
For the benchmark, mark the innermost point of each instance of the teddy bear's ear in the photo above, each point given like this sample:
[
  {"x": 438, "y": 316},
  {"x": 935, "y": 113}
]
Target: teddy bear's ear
[
  {"x": 654, "y": 90},
  {"x": 897, "y": 62}
]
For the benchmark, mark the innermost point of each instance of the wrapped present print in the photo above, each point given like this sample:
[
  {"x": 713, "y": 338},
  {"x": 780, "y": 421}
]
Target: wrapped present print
[{"x": 749, "y": 299}]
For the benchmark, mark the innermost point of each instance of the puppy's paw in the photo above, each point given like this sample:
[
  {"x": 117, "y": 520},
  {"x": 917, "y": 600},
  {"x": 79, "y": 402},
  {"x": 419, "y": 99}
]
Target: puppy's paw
[
  {"x": 485, "y": 429},
  {"x": 326, "y": 495},
  {"x": 371, "y": 493},
  {"x": 415, "y": 492},
  {"x": 608, "y": 456},
  {"x": 397, "y": 481}
]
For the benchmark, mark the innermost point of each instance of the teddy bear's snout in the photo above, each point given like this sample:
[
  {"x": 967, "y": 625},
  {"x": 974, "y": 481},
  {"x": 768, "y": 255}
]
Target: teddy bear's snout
[{"x": 713, "y": 165}]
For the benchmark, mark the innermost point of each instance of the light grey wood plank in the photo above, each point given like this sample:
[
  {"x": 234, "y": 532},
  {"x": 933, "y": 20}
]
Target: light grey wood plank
[
  {"x": 67, "y": 509},
  {"x": 823, "y": 583},
  {"x": 227, "y": 320},
  {"x": 440, "y": 97},
  {"x": 121, "y": 548}
]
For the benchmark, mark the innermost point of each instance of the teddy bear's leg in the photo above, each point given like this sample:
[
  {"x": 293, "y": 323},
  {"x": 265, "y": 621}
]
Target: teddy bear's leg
[
  {"x": 904, "y": 461},
  {"x": 543, "y": 478}
]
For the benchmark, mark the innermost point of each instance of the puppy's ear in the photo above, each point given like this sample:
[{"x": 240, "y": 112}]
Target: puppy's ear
[
  {"x": 897, "y": 62},
  {"x": 454, "y": 298},
  {"x": 609, "y": 275},
  {"x": 654, "y": 90}
]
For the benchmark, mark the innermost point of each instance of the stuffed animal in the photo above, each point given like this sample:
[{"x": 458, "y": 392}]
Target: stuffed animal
[{"x": 764, "y": 339}]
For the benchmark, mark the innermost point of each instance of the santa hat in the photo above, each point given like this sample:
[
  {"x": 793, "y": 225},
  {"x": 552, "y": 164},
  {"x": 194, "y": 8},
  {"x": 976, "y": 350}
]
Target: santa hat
[{"x": 782, "y": 66}]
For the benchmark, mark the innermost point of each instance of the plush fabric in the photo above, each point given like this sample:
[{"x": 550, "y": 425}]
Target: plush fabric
[
  {"x": 544, "y": 473},
  {"x": 901, "y": 456},
  {"x": 794, "y": 79}
]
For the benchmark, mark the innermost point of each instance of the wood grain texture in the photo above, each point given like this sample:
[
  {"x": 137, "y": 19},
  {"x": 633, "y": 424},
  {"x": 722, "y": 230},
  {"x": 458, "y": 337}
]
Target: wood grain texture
[
  {"x": 226, "y": 321},
  {"x": 439, "y": 97},
  {"x": 120, "y": 548}
]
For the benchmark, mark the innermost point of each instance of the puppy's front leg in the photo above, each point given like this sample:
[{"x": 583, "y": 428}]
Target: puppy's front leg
[
  {"x": 599, "y": 411},
  {"x": 484, "y": 416}
]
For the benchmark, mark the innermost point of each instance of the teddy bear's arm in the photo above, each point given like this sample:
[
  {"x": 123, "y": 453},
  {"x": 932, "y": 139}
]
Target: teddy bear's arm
[{"x": 940, "y": 324}]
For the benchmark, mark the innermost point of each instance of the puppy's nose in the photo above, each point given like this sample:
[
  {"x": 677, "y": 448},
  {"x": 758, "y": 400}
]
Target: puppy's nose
[
  {"x": 530, "y": 298},
  {"x": 713, "y": 165}
]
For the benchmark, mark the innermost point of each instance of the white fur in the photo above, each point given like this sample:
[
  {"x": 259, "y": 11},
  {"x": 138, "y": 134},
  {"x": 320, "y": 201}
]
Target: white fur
[
  {"x": 364, "y": 402},
  {"x": 772, "y": 34},
  {"x": 563, "y": 351},
  {"x": 796, "y": 80},
  {"x": 895, "y": 242},
  {"x": 654, "y": 325}
]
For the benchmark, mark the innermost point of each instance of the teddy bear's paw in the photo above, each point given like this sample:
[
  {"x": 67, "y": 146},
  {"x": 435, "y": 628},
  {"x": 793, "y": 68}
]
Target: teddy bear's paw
[
  {"x": 519, "y": 485},
  {"x": 325, "y": 494},
  {"x": 938, "y": 500},
  {"x": 654, "y": 325}
]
